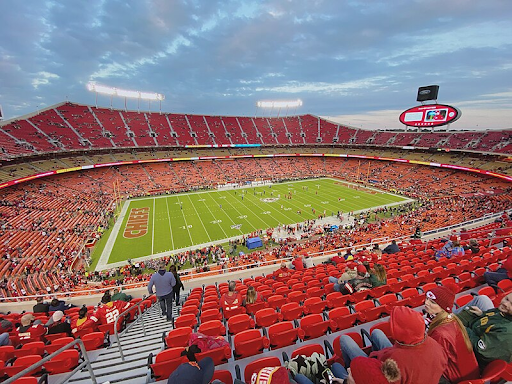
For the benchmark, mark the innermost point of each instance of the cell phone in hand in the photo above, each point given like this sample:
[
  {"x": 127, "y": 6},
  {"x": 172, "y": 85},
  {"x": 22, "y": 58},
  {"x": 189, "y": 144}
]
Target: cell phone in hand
[{"x": 327, "y": 375}]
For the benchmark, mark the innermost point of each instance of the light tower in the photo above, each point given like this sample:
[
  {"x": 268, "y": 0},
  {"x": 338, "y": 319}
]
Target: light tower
[
  {"x": 111, "y": 91},
  {"x": 279, "y": 104}
]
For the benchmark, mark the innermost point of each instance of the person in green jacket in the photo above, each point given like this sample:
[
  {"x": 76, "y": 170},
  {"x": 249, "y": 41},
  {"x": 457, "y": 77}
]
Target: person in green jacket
[
  {"x": 489, "y": 328},
  {"x": 378, "y": 275}
]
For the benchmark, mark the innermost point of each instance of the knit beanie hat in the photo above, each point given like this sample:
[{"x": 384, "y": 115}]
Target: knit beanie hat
[
  {"x": 367, "y": 370},
  {"x": 361, "y": 269},
  {"x": 442, "y": 296}
]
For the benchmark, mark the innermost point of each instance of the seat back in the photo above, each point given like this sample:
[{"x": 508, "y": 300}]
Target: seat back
[{"x": 257, "y": 365}]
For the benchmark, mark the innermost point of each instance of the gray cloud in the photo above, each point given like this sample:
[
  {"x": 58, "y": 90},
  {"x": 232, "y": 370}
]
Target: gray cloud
[{"x": 220, "y": 57}]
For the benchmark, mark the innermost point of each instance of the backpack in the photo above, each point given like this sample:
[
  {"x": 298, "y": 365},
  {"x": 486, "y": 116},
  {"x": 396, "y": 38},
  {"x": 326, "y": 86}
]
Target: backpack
[{"x": 311, "y": 367}]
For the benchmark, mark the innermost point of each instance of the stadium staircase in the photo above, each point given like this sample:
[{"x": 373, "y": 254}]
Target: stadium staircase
[{"x": 108, "y": 365}]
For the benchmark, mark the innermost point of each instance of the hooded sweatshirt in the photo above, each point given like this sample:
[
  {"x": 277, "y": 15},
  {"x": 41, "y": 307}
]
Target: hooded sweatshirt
[
  {"x": 419, "y": 357},
  {"x": 163, "y": 282}
]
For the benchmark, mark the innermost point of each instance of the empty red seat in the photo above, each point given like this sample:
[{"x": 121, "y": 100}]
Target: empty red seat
[
  {"x": 314, "y": 305},
  {"x": 315, "y": 326},
  {"x": 212, "y": 328},
  {"x": 64, "y": 362},
  {"x": 266, "y": 317},
  {"x": 178, "y": 337},
  {"x": 188, "y": 320},
  {"x": 239, "y": 323},
  {"x": 291, "y": 311},
  {"x": 283, "y": 334},
  {"x": 343, "y": 318},
  {"x": 249, "y": 343},
  {"x": 166, "y": 362},
  {"x": 93, "y": 340}
]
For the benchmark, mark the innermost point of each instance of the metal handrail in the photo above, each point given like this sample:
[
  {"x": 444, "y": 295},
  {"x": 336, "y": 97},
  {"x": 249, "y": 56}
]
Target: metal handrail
[
  {"x": 86, "y": 363},
  {"x": 116, "y": 333}
]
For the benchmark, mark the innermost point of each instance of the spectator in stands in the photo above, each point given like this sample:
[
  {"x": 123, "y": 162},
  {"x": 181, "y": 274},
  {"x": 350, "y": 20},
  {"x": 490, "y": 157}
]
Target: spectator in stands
[
  {"x": 298, "y": 263},
  {"x": 450, "y": 249},
  {"x": 5, "y": 325},
  {"x": 378, "y": 275},
  {"x": 472, "y": 246},
  {"x": 58, "y": 324},
  {"x": 179, "y": 285},
  {"x": 193, "y": 373},
  {"x": 81, "y": 325},
  {"x": 119, "y": 295},
  {"x": 30, "y": 329},
  {"x": 359, "y": 283},
  {"x": 41, "y": 306},
  {"x": 349, "y": 274},
  {"x": 503, "y": 273},
  {"x": 348, "y": 255},
  {"x": 164, "y": 283},
  {"x": 232, "y": 299},
  {"x": 363, "y": 370},
  {"x": 391, "y": 248},
  {"x": 108, "y": 311},
  {"x": 419, "y": 357},
  {"x": 450, "y": 333},
  {"x": 252, "y": 296},
  {"x": 489, "y": 328},
  {"x": 417, "y": 233},
  {"x": 4, "y": 339},
  {"x": 282, "y": 274},
  {"x": 59, "y": 305}
]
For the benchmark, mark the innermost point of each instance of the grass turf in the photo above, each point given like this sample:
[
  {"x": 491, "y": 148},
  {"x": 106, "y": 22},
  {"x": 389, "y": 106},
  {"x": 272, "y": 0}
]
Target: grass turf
[{"x": 186, "y": 220}]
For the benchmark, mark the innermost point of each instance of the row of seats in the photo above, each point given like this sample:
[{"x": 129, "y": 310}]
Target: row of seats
[{"x": 72, "y": 126}]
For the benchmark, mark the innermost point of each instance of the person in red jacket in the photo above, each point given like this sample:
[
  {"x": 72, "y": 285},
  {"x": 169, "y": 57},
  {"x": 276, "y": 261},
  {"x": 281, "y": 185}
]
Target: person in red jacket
[
  {"x": 283, "y": 273},
  {"x": 30, "y": 329},
  {"x": 419, "y": 357},
  {"x": 298, "y": 263},
  {"x": 232, "y": 299},
  {"x": 109, "y": 310},
  {"x": 450, "y": 333}
]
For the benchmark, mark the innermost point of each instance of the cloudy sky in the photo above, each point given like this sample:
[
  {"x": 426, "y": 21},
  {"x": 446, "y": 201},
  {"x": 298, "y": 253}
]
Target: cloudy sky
[{"x": 358, "y": 62}]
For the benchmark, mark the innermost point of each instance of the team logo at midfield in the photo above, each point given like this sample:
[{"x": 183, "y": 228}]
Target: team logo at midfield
[{"x": 270, "y": 199}]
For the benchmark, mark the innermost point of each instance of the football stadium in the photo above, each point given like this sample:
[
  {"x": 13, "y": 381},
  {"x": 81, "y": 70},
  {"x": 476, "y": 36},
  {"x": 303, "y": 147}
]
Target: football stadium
[{"x": 160, "y": 244}]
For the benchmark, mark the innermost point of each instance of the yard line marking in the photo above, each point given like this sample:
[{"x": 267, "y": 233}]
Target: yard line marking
[
  {"x": 170, "y": 225},
  {"x": 257, "y": 216},
  {"x": 215, "y": 218},
  {"x": 229, "y": 202},
  {"x": 153, "y": 231},
  {"x": 201, "y": 220},
  {"x": 186, "y": 224}
]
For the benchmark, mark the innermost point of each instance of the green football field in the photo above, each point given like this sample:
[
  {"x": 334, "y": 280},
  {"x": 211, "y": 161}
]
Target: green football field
[{"x": 157, "y": 225}]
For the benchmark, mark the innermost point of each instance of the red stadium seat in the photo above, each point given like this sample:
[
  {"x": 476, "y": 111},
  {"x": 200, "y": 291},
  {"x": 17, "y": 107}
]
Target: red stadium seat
[
  {"x": 336, "y": 299},
  {"x": 239, "y": 323},
  {"x": 266, "y": 317},
  {"x": 276, "y": 301},
  {"x": 283, "y": 334},
  {"x": 343, "y": 318},
  {"x": 58, "y": 344},
  {"x": 297, "y": 296},
  {"x": 93, "y": 340},
  {"x": 218, "y": 355},
  {"x": 315, "y": 326},
  {"x": 210, "y": 314},
  {"x": 189, "y": 320},
  {"x": 249, "y": 343},
  {"x": 314, "y": 305},
  {"x": 255, "y": 307},
  {"x": 166, "y": 362},
  {"x": 21, "y": 363},
  {"x": 64, "y": 362},
  {"x": 32, "y": 348},
  {"x": 291, "y": 311},
  {"x": 212, "y": 328},
  {"x": 178, "y": 337},
  {"x": 258, "y": 364}
]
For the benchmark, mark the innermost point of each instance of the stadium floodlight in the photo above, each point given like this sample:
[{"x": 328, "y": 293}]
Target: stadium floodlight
[
  {"x": 279, "y": 104},
  {"x": 125, "y": 93}
]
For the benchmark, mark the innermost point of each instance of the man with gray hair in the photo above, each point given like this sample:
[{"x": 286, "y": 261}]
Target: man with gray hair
[{"x": 163, "y": 282}]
